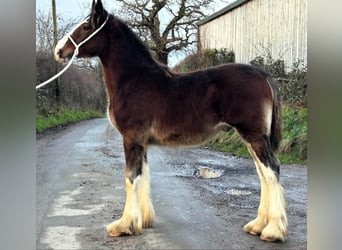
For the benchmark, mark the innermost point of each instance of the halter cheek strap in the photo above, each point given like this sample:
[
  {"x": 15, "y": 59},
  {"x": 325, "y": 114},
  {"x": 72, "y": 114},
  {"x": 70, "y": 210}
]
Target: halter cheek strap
[
  {"x": 76, "y": 51},
  {"x": 77, "y": 46}
]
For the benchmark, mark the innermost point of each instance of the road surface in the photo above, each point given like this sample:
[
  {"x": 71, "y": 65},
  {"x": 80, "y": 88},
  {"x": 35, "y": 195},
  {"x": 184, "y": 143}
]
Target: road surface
[{"x": 80, "y": 189}]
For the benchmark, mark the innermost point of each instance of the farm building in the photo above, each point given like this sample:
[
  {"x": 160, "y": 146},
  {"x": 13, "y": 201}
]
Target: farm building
[{"x": 255, "y": 27}]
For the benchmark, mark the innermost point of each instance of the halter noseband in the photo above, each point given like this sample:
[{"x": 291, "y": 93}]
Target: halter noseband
[{"x": 77, "y": 46}]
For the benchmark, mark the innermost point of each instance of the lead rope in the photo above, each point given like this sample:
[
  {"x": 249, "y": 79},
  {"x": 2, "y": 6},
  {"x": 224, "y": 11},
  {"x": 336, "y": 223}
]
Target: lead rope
[{"x": 77, "y": 46}]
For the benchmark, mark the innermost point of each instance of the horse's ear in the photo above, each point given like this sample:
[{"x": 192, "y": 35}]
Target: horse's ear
[
  {"x": 97, "y": 13},
  {"x": 98, "y": 7}
]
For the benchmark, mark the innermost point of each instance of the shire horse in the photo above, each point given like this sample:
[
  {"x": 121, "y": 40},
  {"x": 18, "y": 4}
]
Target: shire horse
[{"x": 150, "y": 104}]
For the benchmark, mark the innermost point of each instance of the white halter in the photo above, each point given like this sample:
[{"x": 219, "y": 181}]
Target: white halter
[{"x": 76, "y": 51}]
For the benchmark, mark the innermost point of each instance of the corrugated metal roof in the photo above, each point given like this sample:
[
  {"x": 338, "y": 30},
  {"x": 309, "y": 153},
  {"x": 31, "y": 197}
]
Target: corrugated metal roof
[{"x": 223, "y": 11}]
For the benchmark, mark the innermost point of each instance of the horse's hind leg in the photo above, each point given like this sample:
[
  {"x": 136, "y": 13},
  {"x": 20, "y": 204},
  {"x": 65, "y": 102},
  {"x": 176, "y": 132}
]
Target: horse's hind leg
[
  {"x": 271, "y": 221},
  {"x": 138, "y": 211},
  {"x": 257, "y": 225}
]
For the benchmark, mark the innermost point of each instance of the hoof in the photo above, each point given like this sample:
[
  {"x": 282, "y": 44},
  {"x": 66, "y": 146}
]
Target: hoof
[
  {"x": 255, "y": 227},
  {"x": 147, "y": 224},
  {"x": 269, "y": 230},
  {"x": 148, "y": 218},
  {"x": 272, "y": 233},
  {"x": 120, "y": 228}
]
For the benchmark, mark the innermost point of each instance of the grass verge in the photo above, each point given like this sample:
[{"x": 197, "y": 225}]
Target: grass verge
[
  {"x": 63, "y": 117},
  {"x": 293, "y": 146}
]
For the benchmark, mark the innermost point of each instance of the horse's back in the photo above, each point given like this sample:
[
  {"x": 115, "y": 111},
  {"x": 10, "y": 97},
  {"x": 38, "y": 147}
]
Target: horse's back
[{"x": 236, "y": 94}]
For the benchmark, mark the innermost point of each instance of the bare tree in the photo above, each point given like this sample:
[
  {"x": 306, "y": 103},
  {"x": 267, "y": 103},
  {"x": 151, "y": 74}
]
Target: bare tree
[
  {"x": 44, "y": 31},
  {"x": 44, "y": 38},
  {"x": 165, "y": 25}
]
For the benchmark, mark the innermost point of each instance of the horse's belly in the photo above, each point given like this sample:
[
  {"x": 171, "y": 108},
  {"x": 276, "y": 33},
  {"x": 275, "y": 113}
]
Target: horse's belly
[{"x": 184, "y": 138}]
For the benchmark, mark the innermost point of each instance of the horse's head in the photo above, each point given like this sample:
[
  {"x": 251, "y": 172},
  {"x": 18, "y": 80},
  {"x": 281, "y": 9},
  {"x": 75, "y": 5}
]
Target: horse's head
[{"x": 88, "y": 29}]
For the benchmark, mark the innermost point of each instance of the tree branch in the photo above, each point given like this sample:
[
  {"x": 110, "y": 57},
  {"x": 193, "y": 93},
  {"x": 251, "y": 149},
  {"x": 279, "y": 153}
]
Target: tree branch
[{"x": 176, "y": 33}]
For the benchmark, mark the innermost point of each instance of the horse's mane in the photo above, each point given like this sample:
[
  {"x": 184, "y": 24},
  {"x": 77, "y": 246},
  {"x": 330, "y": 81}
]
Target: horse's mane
[{"x": 138, "y": 44}]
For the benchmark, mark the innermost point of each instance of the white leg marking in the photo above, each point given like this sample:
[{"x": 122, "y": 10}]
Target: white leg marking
[
  {"x": 277, "y": 220},
  {"x": 144, "y": 198},
  {"x": 271, "y": 221},
  {"x": 131, "y": 221}
]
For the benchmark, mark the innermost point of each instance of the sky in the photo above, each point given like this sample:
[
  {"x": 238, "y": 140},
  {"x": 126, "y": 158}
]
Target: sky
[{"x": 78, "y": 9}]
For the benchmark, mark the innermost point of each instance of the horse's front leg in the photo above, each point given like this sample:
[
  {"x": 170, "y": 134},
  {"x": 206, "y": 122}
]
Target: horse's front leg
[
  {"x": 145, "y": 202},
  {"x": 131, "y": 222}
]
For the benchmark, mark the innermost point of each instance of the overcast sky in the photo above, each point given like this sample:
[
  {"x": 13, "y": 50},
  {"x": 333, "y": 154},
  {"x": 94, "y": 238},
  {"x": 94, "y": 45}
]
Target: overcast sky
[
  {"x": 81, "y": 8},
  {"x": 68, "y": 8},
  {"x": 78, "y": 9}
]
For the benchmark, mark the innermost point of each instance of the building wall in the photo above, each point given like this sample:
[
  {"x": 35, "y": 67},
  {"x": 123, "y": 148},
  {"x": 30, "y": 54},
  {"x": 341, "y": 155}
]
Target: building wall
[{"x": 258, "y": 26}]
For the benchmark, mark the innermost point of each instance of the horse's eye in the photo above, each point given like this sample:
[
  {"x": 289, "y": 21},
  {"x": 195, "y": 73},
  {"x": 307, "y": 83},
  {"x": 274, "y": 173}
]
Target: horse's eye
[{"x": 87, "y": 27}]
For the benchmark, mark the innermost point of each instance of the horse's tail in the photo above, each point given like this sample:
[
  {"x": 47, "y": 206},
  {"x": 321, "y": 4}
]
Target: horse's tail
[{"x": 275, "y": 136}]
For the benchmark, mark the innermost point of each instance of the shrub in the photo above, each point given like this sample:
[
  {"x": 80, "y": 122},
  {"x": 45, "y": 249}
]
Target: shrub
[
  {"x": 292, "y": 84},
  {"x": 204, "y": 59}
]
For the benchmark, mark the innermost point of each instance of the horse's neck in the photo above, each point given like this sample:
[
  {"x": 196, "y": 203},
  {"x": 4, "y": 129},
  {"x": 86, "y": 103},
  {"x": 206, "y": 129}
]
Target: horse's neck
[{"x": 121, "y": 65}]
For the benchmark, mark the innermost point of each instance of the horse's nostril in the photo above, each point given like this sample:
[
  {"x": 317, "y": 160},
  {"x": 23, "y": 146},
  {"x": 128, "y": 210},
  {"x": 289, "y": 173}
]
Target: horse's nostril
[{"x": 59, "y": 54}]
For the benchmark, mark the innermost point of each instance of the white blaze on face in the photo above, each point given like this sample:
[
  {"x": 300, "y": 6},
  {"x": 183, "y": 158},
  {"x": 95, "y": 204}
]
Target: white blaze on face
[{"x": 60, "y": 45}]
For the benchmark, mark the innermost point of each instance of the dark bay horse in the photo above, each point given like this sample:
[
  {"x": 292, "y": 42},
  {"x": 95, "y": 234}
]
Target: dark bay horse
[{"x": 150, "y": 104}]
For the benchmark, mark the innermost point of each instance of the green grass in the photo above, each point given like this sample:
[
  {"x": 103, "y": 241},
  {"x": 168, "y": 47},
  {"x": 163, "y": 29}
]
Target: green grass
[
  {"x": 293, "y": 145},
  {"x": 63, "y": 117}
]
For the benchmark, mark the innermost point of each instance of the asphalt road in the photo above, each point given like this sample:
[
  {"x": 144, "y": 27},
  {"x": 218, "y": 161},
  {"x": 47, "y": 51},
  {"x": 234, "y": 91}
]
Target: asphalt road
[{"x": 80, "y": 189}]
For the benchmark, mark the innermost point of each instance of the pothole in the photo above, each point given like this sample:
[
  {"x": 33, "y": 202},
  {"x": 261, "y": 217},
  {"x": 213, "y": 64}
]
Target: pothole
[{"x": 209, "y": 173}]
